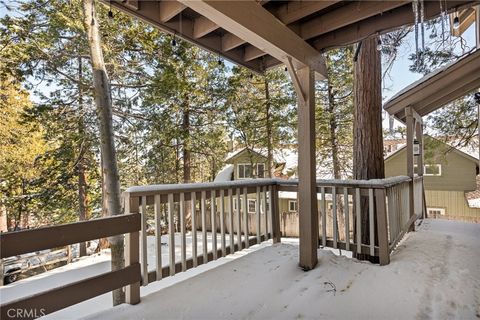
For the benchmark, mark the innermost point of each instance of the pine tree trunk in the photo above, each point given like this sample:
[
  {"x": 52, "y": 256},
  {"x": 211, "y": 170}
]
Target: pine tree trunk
[
  {"x": 103, "y": 102},
  {"x": 186, "y": 158},
  {"x": 82, "y": 181},
  {"x": 269, "y": 130},
  {"x": 368, "y": 136},
  {"x": 335, "y": 160}
]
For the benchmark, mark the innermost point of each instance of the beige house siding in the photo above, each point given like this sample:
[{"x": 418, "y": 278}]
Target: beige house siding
[
  {"x": 458, "y": 172},
  {"x": 248, "y": 158},
  {"x": 454, "y": 203}
]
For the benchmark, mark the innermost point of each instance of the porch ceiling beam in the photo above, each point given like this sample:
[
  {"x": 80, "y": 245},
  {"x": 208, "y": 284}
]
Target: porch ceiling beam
[
  {"x": 249, "y": 21},
  {"x": 169, "y": 9},
  {"x": 148, "y": 11},
  {"x": 202, "y": 26},
  {"x": 388, "y": 21},
  {"x": 346, "y": 15},
  {"x": 231, "y": 41},
  {"x": 252, "y": 53},
  {"x": 296, "y": 10}
]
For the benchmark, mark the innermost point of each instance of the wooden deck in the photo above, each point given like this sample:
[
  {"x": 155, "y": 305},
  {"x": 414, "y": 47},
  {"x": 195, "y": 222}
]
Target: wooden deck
[{"x": 433, "y": 274}]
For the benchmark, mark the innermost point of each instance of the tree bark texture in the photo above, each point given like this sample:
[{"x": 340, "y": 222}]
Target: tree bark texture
[
  {"x": 103, "y": 102},
  {"x": 336, "y": 161},
  {"x": 368, "y": 135},
  {"x": 269, "y": 130},
  {"x": 82, "y": 180}
]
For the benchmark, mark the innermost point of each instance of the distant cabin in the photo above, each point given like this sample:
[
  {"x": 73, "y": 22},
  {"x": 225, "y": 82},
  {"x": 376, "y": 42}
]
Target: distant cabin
[{"x": 450, "y": 178}]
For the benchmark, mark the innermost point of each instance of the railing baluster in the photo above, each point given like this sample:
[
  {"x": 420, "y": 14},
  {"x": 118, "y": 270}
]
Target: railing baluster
[
  {"x": 158, "y": 237},
  {"x": 222, "y": 222},
  {"x": 239, "y": 221},
  {"x": 358, "y": 220},
  {"x": 334, "y": 216},
  {"x": 230, "y": 221},
  {"x": 245, "y": 215},
  {"x": 194, "y": 228},
  {"x": 347, "y": 218},
  {"x": 144, "y": 254},
  {"x": 264, "y": 204},
  {"x": 371, "y": 210},
  {"x": 213, "y": 223},
  {"x": 257, "y": 212},
  {"x": 183, "y": 232},
  {"x": 324, "y": 218},
  {"x": 204, "y": 228},
  {"x": 171, "y": 234}
]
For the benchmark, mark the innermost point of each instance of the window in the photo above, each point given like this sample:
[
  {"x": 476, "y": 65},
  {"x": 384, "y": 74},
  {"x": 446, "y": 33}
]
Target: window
[
  {"x": 433, "y": 170},
  {"x": 292, "y": 206},
  {"x": 245, "y": 170},
  {"x": 252, "y": 205},
  {"x": 435, "y": 212},
  {"x": 430, "y": 169}
]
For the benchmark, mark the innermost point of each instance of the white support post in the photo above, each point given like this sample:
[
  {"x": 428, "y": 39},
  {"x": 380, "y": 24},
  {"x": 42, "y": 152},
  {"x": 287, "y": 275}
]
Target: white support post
[{"x": 307, "y": 192}]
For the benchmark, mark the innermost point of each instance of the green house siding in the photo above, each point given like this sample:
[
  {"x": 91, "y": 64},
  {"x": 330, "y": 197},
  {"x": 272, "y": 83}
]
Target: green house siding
[
  {"x": 458, "y": 172},
  {"x": 446, "y": 191},
  {"x": 454, "y": 204},
  {"x": 246, "y": 157}
]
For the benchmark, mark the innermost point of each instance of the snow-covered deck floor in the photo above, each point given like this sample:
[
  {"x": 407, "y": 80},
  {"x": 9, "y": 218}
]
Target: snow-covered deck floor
[{"x": 434, "y": 274}]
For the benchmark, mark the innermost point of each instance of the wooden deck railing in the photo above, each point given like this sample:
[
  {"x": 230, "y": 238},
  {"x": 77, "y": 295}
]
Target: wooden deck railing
[
  {"x": 221, "y": 211},
  {"x": 345, "y": 200},
  {"x": 26, "y": 241},
  {"x": 209, "y": 209}
]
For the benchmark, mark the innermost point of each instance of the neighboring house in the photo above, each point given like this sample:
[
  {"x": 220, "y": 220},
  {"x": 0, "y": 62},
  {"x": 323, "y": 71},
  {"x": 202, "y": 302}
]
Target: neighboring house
[
  {"x": 250, "y": 164},
  {"x": 449, "y": 178},
  {"x": 247, "y": 163}
]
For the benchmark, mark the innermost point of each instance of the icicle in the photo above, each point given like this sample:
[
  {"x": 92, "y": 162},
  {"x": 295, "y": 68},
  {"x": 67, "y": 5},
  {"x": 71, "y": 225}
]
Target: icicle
[{"x": 415, "y": 12}]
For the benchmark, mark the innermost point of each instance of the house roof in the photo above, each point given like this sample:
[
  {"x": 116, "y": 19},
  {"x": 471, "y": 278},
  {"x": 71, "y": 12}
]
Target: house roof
[
  {"x": 261, "y": 34},
  {"x": 453, "y": 149},
  {"x": 438, "y": 88},
  {"x": 234, "y": 154}
]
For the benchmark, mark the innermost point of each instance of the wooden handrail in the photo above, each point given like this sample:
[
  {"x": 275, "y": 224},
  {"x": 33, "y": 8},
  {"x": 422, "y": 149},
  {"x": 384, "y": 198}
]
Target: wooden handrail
[
  {"x": 31, "y": 240},
  {"x": 58, "y": 298}
]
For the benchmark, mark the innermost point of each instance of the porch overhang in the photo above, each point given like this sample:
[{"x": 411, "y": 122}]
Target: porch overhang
[
  {"x": 263, "y": 34},
  {"x": 439, "y": 88}
]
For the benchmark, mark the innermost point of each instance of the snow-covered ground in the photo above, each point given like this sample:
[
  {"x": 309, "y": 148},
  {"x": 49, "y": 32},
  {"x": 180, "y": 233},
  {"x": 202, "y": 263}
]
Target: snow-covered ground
[{"x": 434, "y": 274}]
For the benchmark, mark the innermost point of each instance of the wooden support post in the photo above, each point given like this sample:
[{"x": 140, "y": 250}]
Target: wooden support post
[
  {"x": 307, "y": 191},
  {"x": 420, "y": 162},
  {"x": 276, "y": 235},
  {"x": 410, "y": 172},
  {"x": 383, "y": 246},
  {"x": 132, "y": 254}
]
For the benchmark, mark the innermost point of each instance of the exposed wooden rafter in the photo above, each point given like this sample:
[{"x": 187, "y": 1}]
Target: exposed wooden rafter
[
  {"x": 348, "y": 14},
  {"x": 170, "y": 9},
  {"x": 251, "y": 22},
  {"x": 385, "y": 22},
  {"x": 149, "y": 11}
]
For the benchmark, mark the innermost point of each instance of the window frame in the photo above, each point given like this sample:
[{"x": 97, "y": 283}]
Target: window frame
[
  {"x": 255, "y": 205},
  {"x": 443, "y": 211},
  {"x": 295, "y": 205},
  {"x": 439, "y": 166},
  {"x": 244, "y": 164}
]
